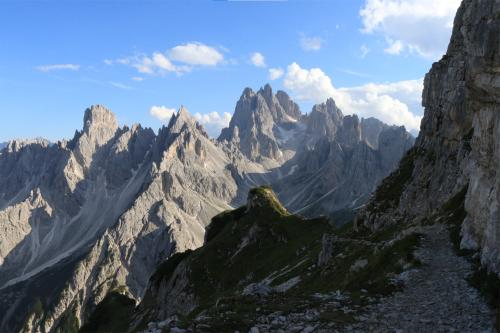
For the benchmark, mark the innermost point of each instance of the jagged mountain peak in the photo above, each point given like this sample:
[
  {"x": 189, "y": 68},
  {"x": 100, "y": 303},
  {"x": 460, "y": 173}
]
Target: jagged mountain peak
[
  {"x": 99, "y": 117},
  {"x": 324, "y": 119},
  {"x": 330, "y": 108},
  {"x": 255, "y": 119},
  {"x": 181, "y": 119}
]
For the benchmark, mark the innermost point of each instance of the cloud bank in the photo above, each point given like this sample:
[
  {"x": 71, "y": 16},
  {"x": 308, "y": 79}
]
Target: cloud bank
[{"x": 421, "y": 27}]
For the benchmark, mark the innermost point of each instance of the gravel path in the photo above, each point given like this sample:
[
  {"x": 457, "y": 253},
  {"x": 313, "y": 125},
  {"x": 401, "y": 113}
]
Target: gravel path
[{"x": 436, "y": 297}]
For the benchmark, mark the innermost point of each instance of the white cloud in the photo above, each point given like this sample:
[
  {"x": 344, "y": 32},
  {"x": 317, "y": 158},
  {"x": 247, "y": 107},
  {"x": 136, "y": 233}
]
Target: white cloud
[
  {"x": 394, "y": 103},
  {"x": 258, "y": 60},
  {"x": 275, "y": 73},
  {"x": 213, "y": 122},
  {"x": 395, "y": 47},
  {"x": 137, "y": 78},
  {"x": 57, "y": 67},
  {"x": 311, "y": 43},
  {"x": 422, "y": 27},
  {"x": 313, "y": 84},
  {"x": 120, "y": 85},
  {"x": 161, "y": 113},
  {"x": 179, "y": 59},
  {"x": 157, "y": 64},
  {"x": 196, "y": 54}
]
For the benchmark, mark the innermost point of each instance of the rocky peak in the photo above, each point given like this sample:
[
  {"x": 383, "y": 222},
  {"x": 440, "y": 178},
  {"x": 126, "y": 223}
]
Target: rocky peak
[
  {"x": 99, "y": 120},
  {"x": 255, "y": 117},
  {"x": 181, "y": 119},
  {"x": 264, "y": 198},
  {"x": 266, "y": 92},
  {"x": 291, "y": 108},
  {"x": 324, "y": 119},
  {"x": 370, "y": 131}
]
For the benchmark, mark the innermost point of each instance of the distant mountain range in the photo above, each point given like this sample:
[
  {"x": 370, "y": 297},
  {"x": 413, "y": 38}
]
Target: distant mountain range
[
  {"x": 102, "y": 210},
  {"x": 421, "y": 255}
]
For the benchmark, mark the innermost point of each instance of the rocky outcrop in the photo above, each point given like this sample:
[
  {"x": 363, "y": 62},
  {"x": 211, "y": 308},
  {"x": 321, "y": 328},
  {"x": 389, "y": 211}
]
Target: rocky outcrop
[{"x": 457, "y": 145}]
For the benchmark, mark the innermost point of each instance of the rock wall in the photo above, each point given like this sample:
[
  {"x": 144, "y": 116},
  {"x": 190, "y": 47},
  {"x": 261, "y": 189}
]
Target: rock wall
[{"x": 458, "y": 144}]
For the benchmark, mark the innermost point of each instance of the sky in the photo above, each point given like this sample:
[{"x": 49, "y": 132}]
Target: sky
[{"x": 143, "y": 59}]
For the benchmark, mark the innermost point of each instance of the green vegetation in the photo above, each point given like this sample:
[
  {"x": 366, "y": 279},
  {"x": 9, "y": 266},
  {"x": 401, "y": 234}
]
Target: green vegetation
[
  {"x": 253, "y": 246},
  {"x": 383, "y": 254},
  {"x": 111, "y": 315},
  {"x": 268, "y": 243}
]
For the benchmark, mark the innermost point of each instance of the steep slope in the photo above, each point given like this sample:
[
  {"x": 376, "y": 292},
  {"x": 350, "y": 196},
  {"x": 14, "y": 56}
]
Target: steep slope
[
  {"x": 457, "y": 147},
  {"x": 265, "y": 268},
  {"x": 456, "y": 156}
]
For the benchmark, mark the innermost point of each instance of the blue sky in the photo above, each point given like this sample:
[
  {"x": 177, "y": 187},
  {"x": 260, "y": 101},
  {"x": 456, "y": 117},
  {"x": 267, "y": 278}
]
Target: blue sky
[{"x": 142, "y": 59}]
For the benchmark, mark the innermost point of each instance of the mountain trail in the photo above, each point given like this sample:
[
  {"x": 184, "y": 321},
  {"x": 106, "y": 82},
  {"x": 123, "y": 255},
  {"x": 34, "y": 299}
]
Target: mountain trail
[{"x": 436, "y": 297}]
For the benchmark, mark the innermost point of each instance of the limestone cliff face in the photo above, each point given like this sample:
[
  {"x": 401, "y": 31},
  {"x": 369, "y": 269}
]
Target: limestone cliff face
[{"x": 458, "y": 142}]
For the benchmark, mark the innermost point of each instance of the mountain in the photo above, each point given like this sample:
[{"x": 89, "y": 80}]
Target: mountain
[
  {"x": 422, "y": 253},
  {"x": 263, "y": 269},
  {"x": 3, "y": 144},
  {"x": 259, "y": 262},
  {"x": 456, "y": 151},
  {"x": 327, "y": 163},
  {"x": 449, "y": 177},
  {"x": 104, "y": 208},
  {"x": 100, "y": 211},
  {"x": 257, "y": 120},
  {"x": 340, "y": 162}
]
